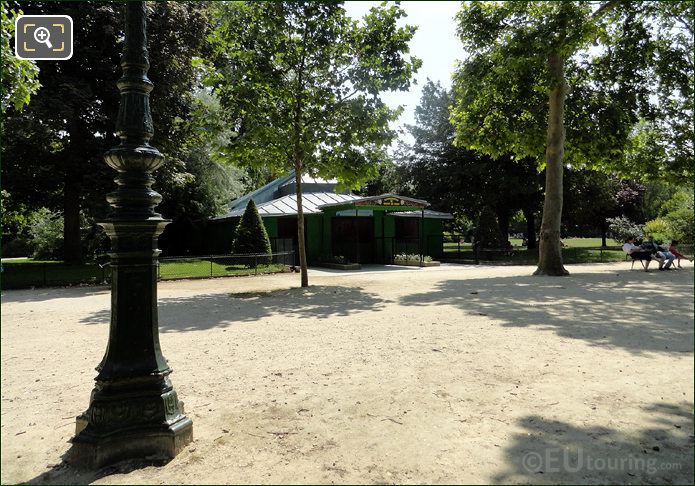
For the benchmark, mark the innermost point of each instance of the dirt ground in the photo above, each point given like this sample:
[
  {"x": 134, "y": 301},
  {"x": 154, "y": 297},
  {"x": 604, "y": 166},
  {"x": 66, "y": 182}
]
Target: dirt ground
[{"x": 456, "y": 374}]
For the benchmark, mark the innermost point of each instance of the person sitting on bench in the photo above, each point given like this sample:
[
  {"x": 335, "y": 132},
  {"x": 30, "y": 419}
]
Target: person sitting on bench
[
  {"x": 674, "y": 251},
  {"x": 662, "y": 254},
  {"x": 637, "y": 253}
]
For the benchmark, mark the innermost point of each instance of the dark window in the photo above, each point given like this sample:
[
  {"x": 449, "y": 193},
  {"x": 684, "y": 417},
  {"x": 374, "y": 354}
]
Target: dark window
[
  {"x": 287, "y": 227},
  {"x": 407, "y": 227}
]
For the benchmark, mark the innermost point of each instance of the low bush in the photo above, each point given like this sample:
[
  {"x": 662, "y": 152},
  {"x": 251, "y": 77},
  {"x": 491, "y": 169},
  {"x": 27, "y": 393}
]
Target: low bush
[
  {"x": 410, "y": 257},
  {"x": 622, "y": 228},
  {"x": 46, "y": 231}
]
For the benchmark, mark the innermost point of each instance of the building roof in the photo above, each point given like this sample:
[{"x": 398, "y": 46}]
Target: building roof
[
  {"x": 278, "y": 199},
  {"x": 287, "y": 205},
  {"x": 313, "y": 203},
  {"x": 282, "y": 186}
]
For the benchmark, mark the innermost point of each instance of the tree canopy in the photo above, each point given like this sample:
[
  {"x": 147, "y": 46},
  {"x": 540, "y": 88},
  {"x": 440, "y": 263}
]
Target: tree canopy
[{"x": 53, "y": 149}]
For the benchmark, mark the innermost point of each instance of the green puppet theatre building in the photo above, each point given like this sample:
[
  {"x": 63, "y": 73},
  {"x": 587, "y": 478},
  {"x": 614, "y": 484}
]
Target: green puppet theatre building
[{"x": 360, "y": 229}]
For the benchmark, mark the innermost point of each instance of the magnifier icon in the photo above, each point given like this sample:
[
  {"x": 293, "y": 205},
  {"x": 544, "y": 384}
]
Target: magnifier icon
[{"x": 43, "y": 36}]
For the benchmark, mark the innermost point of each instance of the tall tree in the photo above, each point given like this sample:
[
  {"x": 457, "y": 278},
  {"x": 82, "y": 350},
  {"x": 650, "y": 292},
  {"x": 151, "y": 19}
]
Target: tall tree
[
  {"x": 301, "y": 83},
  {"x": 556, "y": 81},
  {"x": 54, "y": 148}
]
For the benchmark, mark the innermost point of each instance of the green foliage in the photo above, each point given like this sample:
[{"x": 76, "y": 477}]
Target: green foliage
[
  {"x": 677, "y": 221},
  {"x": 658, "y": 228},
  {"x": 251, "y": 235},
  {"x": 54, "y": 148},
  {"x": 653, "y": 198},
  {"x": 19, "y": 76},
  {"x": 14, "y": 221},
  {"x": 622, "y": 229},
  {"x": 626, "y": 62},
  {"x": 300, "y": 84},
  {"x": 681, "y": 225},
  {"x": 661, "y": 146},
  {"x": 592, "y": 196},
  {"x": 46, "y": 231}
]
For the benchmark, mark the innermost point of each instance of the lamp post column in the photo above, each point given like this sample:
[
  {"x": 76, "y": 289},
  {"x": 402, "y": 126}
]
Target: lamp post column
[{"x": 133, "y": 410}]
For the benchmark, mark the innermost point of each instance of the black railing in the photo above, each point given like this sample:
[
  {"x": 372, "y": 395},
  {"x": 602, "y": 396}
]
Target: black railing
[
  {"x": 454, "y": 249},
  {"x": 55, "y": 274}
]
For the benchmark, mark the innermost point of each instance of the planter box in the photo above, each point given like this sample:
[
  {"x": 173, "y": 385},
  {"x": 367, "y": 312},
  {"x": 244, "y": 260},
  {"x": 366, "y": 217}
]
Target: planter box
[
  {"x": 341, "y": 266},
  {"x": 416, "y": 263}
]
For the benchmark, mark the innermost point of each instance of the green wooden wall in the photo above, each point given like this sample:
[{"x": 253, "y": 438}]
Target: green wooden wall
[{"x": 219, "y": 235}]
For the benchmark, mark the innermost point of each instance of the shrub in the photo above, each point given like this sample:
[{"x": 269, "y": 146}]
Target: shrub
[
  {"x": 678, "y": 221},
  {"x": 681, "y": 223},
  {"x": 659, "y": 229},
  {"x": 622, "y": 229},
  {"x": 410, "y": 257},
  {"x": 46, "y": 231},
  {"x": 251, "y": 236}
]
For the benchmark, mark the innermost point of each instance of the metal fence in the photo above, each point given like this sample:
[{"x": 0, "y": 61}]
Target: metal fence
[
  {"x": 455, "y": 249},
  {"x": 223, "y": 265},
  {"x": 56, "y": 274}
]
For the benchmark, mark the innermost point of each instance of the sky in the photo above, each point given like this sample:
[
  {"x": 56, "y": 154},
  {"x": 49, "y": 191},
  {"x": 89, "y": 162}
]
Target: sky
[{"x": 435, "y": 43}]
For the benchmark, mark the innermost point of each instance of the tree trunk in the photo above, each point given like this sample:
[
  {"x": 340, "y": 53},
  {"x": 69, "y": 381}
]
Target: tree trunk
[
  {"x": 503, "y": 223},
  {"x": 300, "y": 225},
  {"x": 550, "y": 251},
  {"x": 530, "y": 228},
  {"x": 72, "y": 252},
  {"x": 604, "y": 230}
]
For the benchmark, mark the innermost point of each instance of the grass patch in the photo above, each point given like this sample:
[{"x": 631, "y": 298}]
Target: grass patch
[{"x": 205, "y": 268}]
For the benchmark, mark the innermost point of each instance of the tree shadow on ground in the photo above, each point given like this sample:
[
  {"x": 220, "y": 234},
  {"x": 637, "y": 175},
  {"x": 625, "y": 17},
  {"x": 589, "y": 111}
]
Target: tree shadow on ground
[
  {"x": 634, "y": 311},
  {"x": 67, "y": 473},
  {"x": 50, "y": 293},
  {"x": 555, "y": 452},
  {"x": 220, "y": 310}
]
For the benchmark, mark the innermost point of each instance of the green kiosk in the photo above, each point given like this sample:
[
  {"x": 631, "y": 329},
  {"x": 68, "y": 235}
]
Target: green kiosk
[{"x": 360, "y": 229}]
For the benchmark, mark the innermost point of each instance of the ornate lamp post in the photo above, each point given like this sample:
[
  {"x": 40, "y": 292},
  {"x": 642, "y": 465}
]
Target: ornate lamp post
[{"x": 133, "y": 409}]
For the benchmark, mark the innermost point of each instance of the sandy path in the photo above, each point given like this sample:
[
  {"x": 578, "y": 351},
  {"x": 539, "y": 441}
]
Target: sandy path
[{"x": 466, "y": 374}]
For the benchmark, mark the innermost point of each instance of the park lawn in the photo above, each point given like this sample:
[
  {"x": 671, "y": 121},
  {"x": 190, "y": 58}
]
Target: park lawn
[
  {"x": 6, "y": 261},
  {"x": 195, "y": 268}
]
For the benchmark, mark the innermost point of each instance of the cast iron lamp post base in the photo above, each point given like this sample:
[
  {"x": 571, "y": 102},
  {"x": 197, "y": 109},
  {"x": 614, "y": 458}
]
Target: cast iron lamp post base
[
  {"x": 150, "y": 426},
  {"x": 133, "y": 410}
]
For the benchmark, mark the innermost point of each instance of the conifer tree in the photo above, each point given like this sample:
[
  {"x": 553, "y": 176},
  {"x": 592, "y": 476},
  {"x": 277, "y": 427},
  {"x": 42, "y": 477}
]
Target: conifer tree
[{"x": 251, "y": 236}]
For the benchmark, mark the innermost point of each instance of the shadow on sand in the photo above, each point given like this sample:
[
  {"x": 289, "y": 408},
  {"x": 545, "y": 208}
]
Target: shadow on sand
[
  {"x": 555, "y": 452},
  {"x": 207, "y": 311},
  {"x": 65, "y": 473},
  {"x": 634, "y": 311}
]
